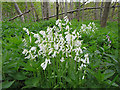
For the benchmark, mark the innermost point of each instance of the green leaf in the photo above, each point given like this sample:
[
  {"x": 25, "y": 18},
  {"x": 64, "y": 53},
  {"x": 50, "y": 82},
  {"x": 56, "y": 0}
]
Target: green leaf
[
  {"x": 113, "y": 84},
  {"x": 91, "y": 71},
  {"x": 96, "y": 64},
  {"x": 102, "y": 49},
  {"x": 108, "y": 74},
  {"x": 28, "y": 86},
  {"x": 111, "y": 56},
  {"x": 56, "y": 86},
  {"x": 117, "y": 65},
  {"x": 10, "y": 64},
  {"x": 113, "y": 81},
  {"x": 32, "y": 82},
  {"x": 7, "y": 84},
  {"x": 109, "y": 64},
  {"x": 68, "y": 80},
  {"x": 18, "y": 76},
  {"x": 97, "y": 75}
]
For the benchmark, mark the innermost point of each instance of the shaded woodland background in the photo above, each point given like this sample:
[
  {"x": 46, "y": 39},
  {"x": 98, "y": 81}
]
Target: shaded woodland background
[{"x": 36, "y": 11}]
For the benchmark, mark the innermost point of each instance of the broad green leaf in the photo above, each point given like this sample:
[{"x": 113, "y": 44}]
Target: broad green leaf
[
  {"x": 117, "y": 65},
  {"x": 68, "y": 80},
  {"x": 29, "y": 68},
  {"x": 102, "y": 48},
  {"x": 111, "y": 56},
  {"x": 108, "y": 74},
  {"x": 109, "y": 64},
  {"x": 113, "y": 84},
  {"x": 32, "y": 82},
  {"x": 56, "y": 86},
  {"x": 113, "y": 81},
  {"x": 10, "y": 64},
  {"x": 7, "y": 84},
  {"x": 91, "y": 71},
  {"x": 97, "y": 75},
  {"x": 28, "y": 86},
  {"x": 96, "y": 64},
  {"x": 18, "y": 76}
]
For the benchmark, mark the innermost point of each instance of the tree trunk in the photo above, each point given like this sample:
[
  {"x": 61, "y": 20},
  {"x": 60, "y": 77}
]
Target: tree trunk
[
  {"x": 18, "y": 10},
  {"x": 42, "y": 10},
  {"x": 113, "y": 11},
  {"x": 32, "y": 11},
  {"x": 49, "y": 8},
  {"x": 46, "y": 11},
  {"x": 65, "y": 7},
  {"x": 54, "y": 8},
  {"x": 101, "y": 10},
  {"x": 57, "y": 10},
  {"x": 62, "y": 8},
  {"x": 71, "y": 8},
  {"x": 76, "y": 6},
  {"x": 32, "y": 5},
  {"x": 78, "y": 12},
  {"x": 96, "y": 11},
  {"x": 26, "y": 9},
  {"x": 12, "y": 9},
  {"x": 83, "y": 12},
  {"x": 105, "y": 14}
]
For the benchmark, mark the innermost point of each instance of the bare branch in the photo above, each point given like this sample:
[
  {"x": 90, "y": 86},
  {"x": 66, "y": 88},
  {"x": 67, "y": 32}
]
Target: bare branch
[{"x": 20, "y": 15}]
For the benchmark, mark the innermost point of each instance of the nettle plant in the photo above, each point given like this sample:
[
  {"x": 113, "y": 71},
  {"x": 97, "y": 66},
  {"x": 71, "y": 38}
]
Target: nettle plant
[{"x": 58, "y": 47}]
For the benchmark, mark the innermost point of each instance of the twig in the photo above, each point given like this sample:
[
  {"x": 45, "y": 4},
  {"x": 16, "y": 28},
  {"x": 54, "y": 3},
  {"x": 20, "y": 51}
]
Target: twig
[
  {"x": 71, "y": 11},
  {"x": 20, "y": 15}
]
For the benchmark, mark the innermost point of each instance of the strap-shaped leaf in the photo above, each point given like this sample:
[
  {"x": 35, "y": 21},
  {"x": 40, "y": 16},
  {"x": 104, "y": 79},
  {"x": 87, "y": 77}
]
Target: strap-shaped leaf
[
  {"x": 108, "y": 74},
  {"x": 7, "y": 84}
]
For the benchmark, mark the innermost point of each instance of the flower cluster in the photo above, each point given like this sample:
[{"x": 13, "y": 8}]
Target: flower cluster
[
  {"x": 87, "y": 29},
  {"x": 57, "y": 41},
  {"x": 108, "y": 39}
]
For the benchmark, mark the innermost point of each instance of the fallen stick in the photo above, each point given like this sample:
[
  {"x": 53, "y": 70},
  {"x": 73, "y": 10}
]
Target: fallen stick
[
  {"x": 20, "y": 15},
  {"x": 71, "y": 11}
]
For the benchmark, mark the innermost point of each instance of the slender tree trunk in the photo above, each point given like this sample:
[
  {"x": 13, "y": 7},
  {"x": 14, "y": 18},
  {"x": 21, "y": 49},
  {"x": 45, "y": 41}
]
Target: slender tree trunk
[
  {"x": 26, "y": 9},
  {"x": 32, "y": 11},
  {"x": 54, "y": 8},
  {"x": 57, "y": 9},
  {"x": 78, "y": 12},
  {"x": 66, "y": 7},
  {"x": 101, "y": 10},
  {"x": 42, "y": 10},
  {"x": 83, "y": 12},
  {"x": 62, "y": 4},
  {"x": 60, "y": 8},
  {"x": 96, "y": 11},
  {"x": 105, "y": 14},
  {"x": 76, "y": 6},
  {"x": 71, "y": 8},
  {"x": 18, "y": 10},
  {"x": 32, "y": 5},
  {"x": 12, "y": 9},
  {"x": 46, "y": 11},
  {"x": 49, "y": 8},
  {"x": 113, "y": 12}
]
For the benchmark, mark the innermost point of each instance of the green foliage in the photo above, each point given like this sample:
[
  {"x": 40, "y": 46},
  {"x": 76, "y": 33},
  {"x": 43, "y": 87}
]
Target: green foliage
[{"x": 103, "y": 70}]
